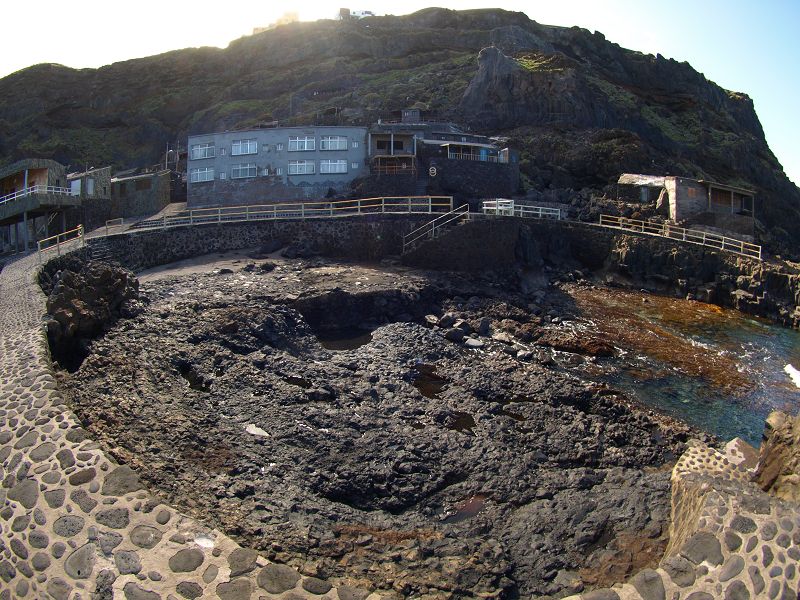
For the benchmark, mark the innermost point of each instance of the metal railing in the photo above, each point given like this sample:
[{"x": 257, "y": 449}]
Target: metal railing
[
  {"x": 36, "y": 189},
  {"x": 113, "y": 223},
  {"x": 508, "y": 208},
  {"x": 478, "y": 157},
  {"x": 436, "y": 227},
  {"x": 691, "y": 236},
  {"x": 394, "y": 170},
  {"x": 303, "y": 210},
  {"x": 56, "y": 242}
]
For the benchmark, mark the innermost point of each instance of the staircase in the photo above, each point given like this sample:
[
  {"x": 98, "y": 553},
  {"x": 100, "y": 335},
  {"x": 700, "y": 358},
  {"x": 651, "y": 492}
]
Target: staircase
[
  {"x": 421, "y": 188},
  {"x": 100, "y": 250},
  {"x": 435, "y": 228}
]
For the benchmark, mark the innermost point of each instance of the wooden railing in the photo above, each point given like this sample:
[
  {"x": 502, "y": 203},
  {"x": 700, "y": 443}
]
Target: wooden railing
[
  {"x": 691, "y": 236},
  {"x": 57, "y": 242},
  {"x": 303, "y": 210},
  {"x": 508, "y": 208}
]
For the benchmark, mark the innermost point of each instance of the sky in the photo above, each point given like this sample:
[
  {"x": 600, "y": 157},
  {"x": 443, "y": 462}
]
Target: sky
[{"x": 750, "y": 46}]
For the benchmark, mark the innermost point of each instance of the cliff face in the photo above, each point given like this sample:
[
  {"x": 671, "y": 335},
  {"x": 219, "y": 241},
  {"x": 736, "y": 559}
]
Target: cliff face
[{"x": 580, "y": 108}]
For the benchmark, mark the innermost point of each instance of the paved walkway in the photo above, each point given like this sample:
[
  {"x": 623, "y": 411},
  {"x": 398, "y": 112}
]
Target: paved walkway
[{"x": 73, "y": 523}]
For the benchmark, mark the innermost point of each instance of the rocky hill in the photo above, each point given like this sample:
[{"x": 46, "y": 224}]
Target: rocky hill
[{"x": 580, "y": 109}]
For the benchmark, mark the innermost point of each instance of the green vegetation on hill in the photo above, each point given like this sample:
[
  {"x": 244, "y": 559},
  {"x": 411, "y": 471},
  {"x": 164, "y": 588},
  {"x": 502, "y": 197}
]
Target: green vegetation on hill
[{"x": 579, "y": 108}]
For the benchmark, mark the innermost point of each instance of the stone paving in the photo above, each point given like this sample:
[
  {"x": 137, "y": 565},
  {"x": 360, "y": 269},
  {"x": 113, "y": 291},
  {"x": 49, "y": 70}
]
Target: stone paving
[
  {"x": 76, "y": 525},
  {"x": 728, "y": 538}
]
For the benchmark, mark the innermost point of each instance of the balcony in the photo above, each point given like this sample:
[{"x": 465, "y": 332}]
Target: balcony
[
  {"x": 478, "y": 157},
  {"x": 36, "y": 199}
]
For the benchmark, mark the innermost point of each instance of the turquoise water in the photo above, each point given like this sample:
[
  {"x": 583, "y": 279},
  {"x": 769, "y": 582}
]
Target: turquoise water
[{"x": 718, "y": 369}]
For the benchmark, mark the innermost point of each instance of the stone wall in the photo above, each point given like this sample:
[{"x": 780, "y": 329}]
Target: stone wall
[
  {"x": 659, "y": 264},
  {"x": 468, "y": 179},
  {"x": 356, "y": 238},
  {"x": 141, "y": 195}
]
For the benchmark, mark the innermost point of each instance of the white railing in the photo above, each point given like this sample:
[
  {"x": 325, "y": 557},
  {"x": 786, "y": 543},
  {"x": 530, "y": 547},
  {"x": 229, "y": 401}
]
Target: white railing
[
  {"x": 56, "y": 242},
  {"x": 691, "y": 236},
  {"x": 36, "y": 189},
  {"x": 478, "y": 157},
  {"x": 507, "y": 208},
  {"x": 113, "y": 224},
  {"x": 303, "y": 210},
  {"x": 434, "y": 228}
]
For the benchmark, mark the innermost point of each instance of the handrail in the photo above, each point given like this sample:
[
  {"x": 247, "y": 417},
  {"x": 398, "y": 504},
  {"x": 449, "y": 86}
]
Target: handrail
[
  {"x": 691, "y": 236},
  {"x": 60, "y": 239},
  {"x": 36, "y": 189},
  {"x": 502, "y": 206},
  {"x": 478, "y": 157},
  {"x": 114, "y": 223},
  {"x": 302, "y": 210},
  {"x": 429, "y": 229}
]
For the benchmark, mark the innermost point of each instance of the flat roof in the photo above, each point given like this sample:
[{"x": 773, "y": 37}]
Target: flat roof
[
  {"x": 728, "y": 188},
  {"x": 82, "y": 173},
  {"x": 29, "y": 163},
  {"x": 235, "y": 131},
  {"x": 140, "y": 176}
]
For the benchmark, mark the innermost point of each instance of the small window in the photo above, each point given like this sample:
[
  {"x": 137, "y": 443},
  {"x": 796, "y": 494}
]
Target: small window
[
  {"x": 240, "y": 147},
  {"x": 265, "y": 172},
  {"x": 333, "y": 166},
  {"x": 222, "y": 175},
  {"x": 301, "y": 143},
  {"x": 243, "y": 171},
  {"x": 222, "y": 151},
  {"x": 279, "y": 171},
  {"x": 278, "y": 147},
  {"x": 301, "y": 167},
  {"x": 205, "y": 150},
  {"x": 333, "y": 142},
  {"x": 201, "y": 174},
  {"x": 355, "y": 144},
  {"x": 354, "y": 165}
]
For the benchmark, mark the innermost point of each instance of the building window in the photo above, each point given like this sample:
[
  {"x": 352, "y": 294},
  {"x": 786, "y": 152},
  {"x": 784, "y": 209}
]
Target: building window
[
  {"x": 279, "y": 171},
  {"x": 240, "y": 147},
  {"x": 354, "y": 165},
  {"x": 301, "y": 143},
  {"x": 355, "y": 144},
  {"x": 301, "y": 167},
  {"x": 332, "y": 142},
  {"x": 222, "y": 151},
  {"x": 222, "y": 175},
  {"x": 203, "y": 151},
  {"x": 244, "y": 170},
  {"x": 201, "y": 174},
  {"x": 278, "y": 147},
  {"x": 333, "y": 166}
]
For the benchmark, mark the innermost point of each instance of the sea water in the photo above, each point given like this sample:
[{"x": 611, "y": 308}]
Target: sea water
[{"x": 717, "y": 369}]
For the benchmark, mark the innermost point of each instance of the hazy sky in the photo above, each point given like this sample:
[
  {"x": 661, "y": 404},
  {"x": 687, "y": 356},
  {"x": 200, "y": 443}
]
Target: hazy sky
[{"x": 748, "y": 46}]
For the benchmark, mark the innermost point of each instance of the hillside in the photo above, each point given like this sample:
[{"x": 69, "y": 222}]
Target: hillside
[{"x": 580, "y": 109}]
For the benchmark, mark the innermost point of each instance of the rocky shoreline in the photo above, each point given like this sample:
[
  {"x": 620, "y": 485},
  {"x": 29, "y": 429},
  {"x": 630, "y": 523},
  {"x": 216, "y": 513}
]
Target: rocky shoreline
[{"x": 450, "y": 456}]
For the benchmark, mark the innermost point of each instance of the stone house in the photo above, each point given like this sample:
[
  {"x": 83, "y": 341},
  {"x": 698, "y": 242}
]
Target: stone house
[
  {"x": 693, "y": 202},
  {"x": 34, "y": 200},
  {"x": 141, "y": 194}
]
